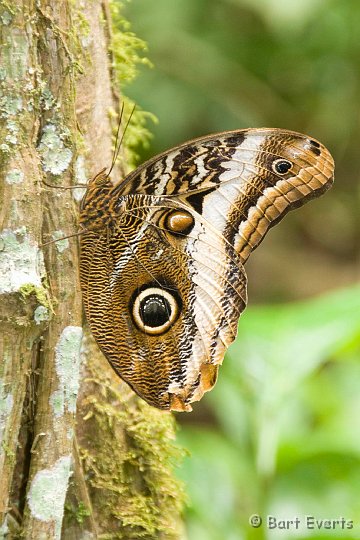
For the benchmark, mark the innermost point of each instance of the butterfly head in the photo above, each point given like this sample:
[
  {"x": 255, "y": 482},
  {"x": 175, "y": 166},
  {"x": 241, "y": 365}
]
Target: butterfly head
[{"x": 94, "y": 207}]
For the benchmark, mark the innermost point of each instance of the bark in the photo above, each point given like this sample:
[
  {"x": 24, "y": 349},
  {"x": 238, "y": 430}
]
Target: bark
[{"x": 108, "y": 466}]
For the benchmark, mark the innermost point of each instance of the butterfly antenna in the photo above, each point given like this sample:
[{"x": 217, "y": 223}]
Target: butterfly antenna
[
  {"x": 76, "y": 186},
  {"x": 79, "y": 233},
  {"x": 115, "y": 155},
  {"x": 118, "y": 146}
]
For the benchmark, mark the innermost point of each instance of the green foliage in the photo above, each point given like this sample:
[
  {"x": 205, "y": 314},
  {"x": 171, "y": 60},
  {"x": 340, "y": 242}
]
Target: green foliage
[
  {"x": 128, "y": 52},
  {"x": 249, "y": 63},
  {"x": 287, "y": 406},
  {"x": 127, "y": 48},
  {"x": 138, "y": 135}
]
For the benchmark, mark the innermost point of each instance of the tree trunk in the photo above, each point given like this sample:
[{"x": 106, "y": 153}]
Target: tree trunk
[{"x": 107, "y": 466}]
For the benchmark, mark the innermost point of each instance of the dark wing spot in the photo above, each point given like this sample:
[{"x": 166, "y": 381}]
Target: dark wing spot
[
  {"x": 281, "y": 166},
  {"x": 196, "y": 200}
]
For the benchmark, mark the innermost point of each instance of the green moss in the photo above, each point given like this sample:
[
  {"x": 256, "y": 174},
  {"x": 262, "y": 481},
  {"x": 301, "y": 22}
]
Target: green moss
[
  {"x": 10, "y": 454},
  {"x": 137, "y": 133},
  {"x": 77, "y": 513},
  {"x": 133, "y": 477},
  {"x": 6, "y": 405},
  {"x": 5, "y": 5},
  {"x": 41, "y": 293},
  {"x": 129, "y": 52},
  {"x": 128, "y": 49}
]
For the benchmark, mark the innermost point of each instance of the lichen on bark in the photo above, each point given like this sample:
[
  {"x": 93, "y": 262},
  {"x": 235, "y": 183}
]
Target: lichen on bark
[{"x": 47, "y": 492}]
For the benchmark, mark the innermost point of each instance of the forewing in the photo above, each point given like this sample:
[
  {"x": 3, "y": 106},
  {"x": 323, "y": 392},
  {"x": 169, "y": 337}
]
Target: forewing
[{"x": 229, "y": 179}]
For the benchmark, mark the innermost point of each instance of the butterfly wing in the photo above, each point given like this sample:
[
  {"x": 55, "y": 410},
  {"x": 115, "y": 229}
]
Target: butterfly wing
[
  {"x": 232, "y": 180},
  {"x": 164, "y": 284},
  {"x": 199, "y": 282}
]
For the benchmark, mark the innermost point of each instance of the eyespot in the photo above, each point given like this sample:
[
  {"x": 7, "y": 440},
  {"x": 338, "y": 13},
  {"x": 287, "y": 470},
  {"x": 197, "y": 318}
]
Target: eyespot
[
  {"x": 179, "y": 222},
  {"x": 314, "y": 147},
  {"x": 155, "y": 310},
  {"x": 281, "y": 166}
]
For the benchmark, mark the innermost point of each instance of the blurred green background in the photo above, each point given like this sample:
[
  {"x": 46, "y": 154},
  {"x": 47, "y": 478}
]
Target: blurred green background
[{"x": 280, "y": 433}]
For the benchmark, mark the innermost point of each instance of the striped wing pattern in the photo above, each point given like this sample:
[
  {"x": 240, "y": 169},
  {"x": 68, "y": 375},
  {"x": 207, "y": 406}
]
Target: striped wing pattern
[{"x": 231, "y": 187}]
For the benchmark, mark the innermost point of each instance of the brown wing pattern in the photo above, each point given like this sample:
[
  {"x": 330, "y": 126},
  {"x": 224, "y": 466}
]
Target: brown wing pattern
[
  {"x": 161, "y": 263},
  {"x": 207, "y": 280},
  {"x": 229, "y": 178}
]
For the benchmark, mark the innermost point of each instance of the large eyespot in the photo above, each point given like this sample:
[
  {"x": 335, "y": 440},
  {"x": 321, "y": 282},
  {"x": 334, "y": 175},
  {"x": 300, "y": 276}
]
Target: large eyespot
[
  {"x": 281, "y": 166},
  {"x": 155, "y": 310}
]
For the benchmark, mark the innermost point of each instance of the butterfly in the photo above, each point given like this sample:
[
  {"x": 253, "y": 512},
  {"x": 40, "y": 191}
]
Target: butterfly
[{"x": 162, "y": 252}]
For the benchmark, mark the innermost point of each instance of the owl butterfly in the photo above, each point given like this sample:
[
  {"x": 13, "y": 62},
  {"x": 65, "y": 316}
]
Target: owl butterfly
[{"x": 162, "y": 252}]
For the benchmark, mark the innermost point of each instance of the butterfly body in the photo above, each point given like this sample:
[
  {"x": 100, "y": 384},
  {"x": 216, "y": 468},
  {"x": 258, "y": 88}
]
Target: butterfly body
[{"x": 162, "y": 254}]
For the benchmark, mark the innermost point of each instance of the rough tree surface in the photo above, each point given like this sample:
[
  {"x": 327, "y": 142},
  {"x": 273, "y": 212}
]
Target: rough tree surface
[{"x": 80, "y": 455}]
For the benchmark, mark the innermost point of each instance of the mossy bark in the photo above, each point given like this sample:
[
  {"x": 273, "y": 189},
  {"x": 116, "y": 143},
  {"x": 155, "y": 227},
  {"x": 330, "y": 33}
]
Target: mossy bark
[{"x": 108, "y": 465}]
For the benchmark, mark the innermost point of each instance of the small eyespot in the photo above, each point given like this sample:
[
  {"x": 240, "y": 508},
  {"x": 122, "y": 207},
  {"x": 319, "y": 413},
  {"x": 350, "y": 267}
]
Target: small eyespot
[
  {"x": 281, "y": 166},
  {"x": 314, "y": 147},
  {"x": 315, "y": 143},
  {"x": 155, "y": 310},
  {"x": 179, "y": 222}
]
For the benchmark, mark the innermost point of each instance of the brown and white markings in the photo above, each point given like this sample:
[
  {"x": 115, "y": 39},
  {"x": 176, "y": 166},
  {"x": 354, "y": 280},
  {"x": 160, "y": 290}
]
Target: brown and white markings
[{"x": 162, "y": 257}]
